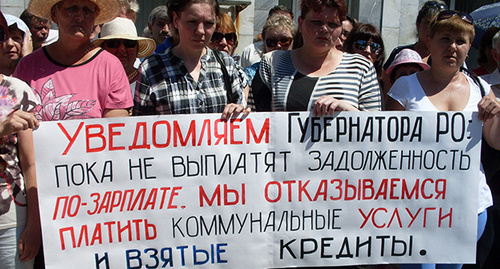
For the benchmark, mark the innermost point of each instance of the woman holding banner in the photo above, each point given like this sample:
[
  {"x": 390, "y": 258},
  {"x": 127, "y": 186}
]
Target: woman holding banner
[
  {"x": 20, "y": 235},
  {"x": 317, "y": 76},
  {"x": 444, "y": 87},
  {"x": 73, "y": 78},
  {"x": 191, "y": 78}
]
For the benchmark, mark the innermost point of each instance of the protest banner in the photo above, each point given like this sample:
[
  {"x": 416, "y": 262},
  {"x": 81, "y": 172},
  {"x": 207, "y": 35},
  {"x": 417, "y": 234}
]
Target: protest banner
[{"x": 267, "y": 190}]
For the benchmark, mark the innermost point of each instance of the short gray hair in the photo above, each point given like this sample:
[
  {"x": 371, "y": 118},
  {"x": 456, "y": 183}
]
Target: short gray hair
[
  {"x": 159, "y": 12},
  {"x": 134, "y": 6},
  {"x": 130, "y": 5}
]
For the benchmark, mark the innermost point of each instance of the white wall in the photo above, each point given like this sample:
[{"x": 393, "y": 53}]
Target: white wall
[
  {"x": 398, "y": 23},
  {"x": 13, "y": 7},
  {"x": 245, "y": 25}
]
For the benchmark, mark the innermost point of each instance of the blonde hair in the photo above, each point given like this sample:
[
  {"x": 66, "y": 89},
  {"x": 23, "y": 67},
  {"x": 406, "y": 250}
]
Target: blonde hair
[
  {"x": 452, "y": 24},
  {"x": 278, "y": 21},
  {"x": 225, "y": 22}
]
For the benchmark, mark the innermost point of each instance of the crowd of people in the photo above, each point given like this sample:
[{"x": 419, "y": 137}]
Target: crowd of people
[{"x": 187, "y": 64}]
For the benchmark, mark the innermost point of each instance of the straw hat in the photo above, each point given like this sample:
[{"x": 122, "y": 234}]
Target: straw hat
[
  {"x": 407, "y": 56},
  {"x": 122, "y": 28},
  {"x": 108, "y": 9}
]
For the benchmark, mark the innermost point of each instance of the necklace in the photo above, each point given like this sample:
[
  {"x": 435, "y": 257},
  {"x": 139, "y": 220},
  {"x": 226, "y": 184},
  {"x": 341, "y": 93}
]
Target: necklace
[{"x": 132, "y": 76}]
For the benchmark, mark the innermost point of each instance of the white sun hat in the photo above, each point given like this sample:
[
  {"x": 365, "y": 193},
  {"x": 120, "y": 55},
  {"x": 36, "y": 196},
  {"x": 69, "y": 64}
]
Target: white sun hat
[
  {"x": 108, "y": 9},
  {"x": 407, "y": 56},
  {"x": 122, "y": 28},
  {"x": 11, "y": 20}
]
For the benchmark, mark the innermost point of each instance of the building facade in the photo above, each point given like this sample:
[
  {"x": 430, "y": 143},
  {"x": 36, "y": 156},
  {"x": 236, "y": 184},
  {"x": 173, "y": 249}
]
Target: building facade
[{"x": 395, "y": 18}]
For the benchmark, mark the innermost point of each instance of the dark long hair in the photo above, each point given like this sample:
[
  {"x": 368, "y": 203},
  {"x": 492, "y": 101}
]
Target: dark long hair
[{"x": 366, "y": 32}]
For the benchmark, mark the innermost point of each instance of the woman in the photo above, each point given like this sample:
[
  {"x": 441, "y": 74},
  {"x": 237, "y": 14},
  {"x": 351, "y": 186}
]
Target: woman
[
  {"x": 317, "y": 76},
  {"x": 407, "y": 62},
  {"x": 444, "y": 88},
  {"x": 224, "y": 38},
  {"x": 253, "y": 52},
  {"x": 347, "y": 25},
  {"x": 486, "y": 61},
  {"x": 277, "y": 34},
  {"x": 13, "y": 47},
  {"x": 73, "y": 78},
  {"x": 190, "y": 77},
  {"x": 424, "y": 17},
  {"x": 119, "y": 37},
  {"x": 428, "y": 11},
  {"x": 20, "y": 235},
  {"x": 366, "y": 40}
]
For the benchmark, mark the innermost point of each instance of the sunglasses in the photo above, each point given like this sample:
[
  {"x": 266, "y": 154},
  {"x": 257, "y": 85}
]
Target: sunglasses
[
  {"x": 218, "y": 36},
  {"x": 115, "y": 43},
  {"x": 434, "y": 4},
  {"x": 2, "y": 36},
  {"x": 284, "y": 42},
  {"x": 362, "y": 45},
  {"x": 446, "y": 14}
]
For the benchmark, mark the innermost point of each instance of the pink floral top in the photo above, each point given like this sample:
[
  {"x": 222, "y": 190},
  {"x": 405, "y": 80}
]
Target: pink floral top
[
  {"x": 14, "y": 95},
  {"x": 75, "y": 92}
]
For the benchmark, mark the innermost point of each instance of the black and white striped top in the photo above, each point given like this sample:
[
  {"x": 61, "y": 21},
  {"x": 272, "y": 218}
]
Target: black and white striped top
[{"x": 353, "y": 81}]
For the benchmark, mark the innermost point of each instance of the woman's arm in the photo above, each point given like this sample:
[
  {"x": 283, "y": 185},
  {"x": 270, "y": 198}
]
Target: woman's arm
[
  {"x": 391, "y": 104},
  {"x": 370, "y": 95},
  {"x": 30, "y": 239},
  {"x": 489, "y": 113},
  {"x": 239, "y": 86},
  {"x": 27, "y": 47},
  {"x": 18, "y": 120},
  {"x": 247, "y": 92},
  {"x": 327, "y": 105},
  {"x": 115, "y": 113},
  {"x": 233, "y": 110}
]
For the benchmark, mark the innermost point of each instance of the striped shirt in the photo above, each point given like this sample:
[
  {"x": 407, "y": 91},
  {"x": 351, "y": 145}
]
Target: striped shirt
[
  {"x": 165, "y": 86},
  {"x": 353, "y": 81}
]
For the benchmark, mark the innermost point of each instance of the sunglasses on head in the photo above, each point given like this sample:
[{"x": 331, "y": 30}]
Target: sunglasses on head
[
  {"x": 218, "y": 36},
  {"x": 362, "y": 45},
  {"x": 284, "y": 42},
  {"x": 446, "y": 14},
  {"x": 434, "y": 4},
  {"x": 115, "y": 43}
]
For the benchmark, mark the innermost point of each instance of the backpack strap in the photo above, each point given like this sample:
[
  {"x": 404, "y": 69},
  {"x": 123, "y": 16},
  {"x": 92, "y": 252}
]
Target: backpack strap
[
  {"x": 227, "y": 80},
  {"x": 481, "y": 87},
  {"x": 475, "y": 79}
]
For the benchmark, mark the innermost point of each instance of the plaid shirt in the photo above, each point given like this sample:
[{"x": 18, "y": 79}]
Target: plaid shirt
[{"x": 164, "y": 85}]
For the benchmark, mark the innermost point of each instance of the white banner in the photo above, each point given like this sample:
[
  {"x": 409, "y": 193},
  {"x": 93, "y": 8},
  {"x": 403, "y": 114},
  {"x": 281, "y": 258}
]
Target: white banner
[{"x": 268, "y": 190}]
